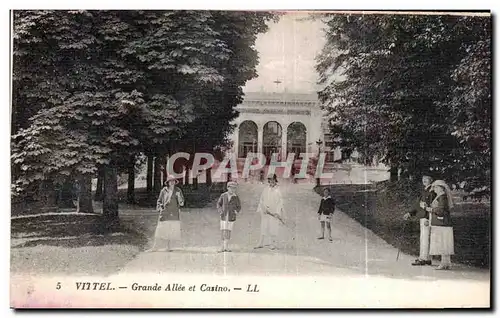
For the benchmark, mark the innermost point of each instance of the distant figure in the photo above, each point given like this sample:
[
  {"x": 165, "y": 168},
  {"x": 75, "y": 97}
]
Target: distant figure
[
  {"x": 169, "y": 225},
  {"x": 271, "y": 211},
  {"x": 325, "y": 214},
  {"x": 426, "y": 197},
  {"x": 293, "y": 172},
  {"x": 229, "y": 206},
  {"x": 441, "y": 240}
]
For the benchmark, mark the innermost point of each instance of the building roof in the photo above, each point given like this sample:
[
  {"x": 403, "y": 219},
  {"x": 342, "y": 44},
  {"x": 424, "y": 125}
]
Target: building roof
[{"x": 285, "y": 97}]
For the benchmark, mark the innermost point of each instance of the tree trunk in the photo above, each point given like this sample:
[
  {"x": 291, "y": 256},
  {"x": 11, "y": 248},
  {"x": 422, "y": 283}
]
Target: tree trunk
[
  {"x": 47, "y": 196},
  {"x": 195, "y": 182},
  {"x": 186, "y": 176},
  {"x": 110, "y": 201},
  {"x": 67, "y": 195},
  {"x": 208, "y": 174},
  {"x": 131, "y": 181},
  {"x": 165, "y": 172},
  {"x": 99, "y": 190},
  {"x": 393, "y": 174},
  {"x": 85, "y": 195},
  {"x": 157, "y": 175},
  {"x": 149, "y": 175}
]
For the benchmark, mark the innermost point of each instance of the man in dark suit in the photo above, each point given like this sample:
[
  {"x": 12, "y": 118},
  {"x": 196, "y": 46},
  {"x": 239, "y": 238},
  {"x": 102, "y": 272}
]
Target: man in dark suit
[{"x": 425, "y": 200}]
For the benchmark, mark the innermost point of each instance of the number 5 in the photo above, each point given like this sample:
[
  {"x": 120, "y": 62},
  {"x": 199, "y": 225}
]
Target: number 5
[{"x": 58, "y": 286}]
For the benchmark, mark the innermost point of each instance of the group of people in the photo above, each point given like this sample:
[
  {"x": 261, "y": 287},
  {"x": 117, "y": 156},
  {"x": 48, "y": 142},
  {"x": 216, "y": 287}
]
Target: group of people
[
  {"x": 270, "y": 208},
  {"x": 436, "y": 231},
  {"x": 433, "y": 210}
]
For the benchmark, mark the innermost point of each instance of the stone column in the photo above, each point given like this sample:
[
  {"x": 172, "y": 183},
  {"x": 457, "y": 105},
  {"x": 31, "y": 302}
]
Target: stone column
[
  {"x": 236, "y": 141},
  {"x": 260, "y": 138},
  {"x": 283, "y": 145}
]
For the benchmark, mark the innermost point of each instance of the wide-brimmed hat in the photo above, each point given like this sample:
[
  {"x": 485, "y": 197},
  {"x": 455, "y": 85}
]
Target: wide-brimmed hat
[
  {"x": 232, "y": 184},
  {"x": 444, "y": 185},
  {"x": 171, "y": 178}
]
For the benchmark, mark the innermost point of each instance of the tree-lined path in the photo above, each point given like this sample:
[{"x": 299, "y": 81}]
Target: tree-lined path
[{"x": 355, "y": 251}]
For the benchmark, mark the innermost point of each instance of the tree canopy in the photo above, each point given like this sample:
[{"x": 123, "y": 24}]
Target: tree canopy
[
  {"x": 91, "y": 88},
  {"x": 413, "y": 90}
]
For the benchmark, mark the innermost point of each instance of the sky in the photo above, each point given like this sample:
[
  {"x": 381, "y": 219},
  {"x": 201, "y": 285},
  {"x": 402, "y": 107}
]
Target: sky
[{"x": 287, "y": 53}]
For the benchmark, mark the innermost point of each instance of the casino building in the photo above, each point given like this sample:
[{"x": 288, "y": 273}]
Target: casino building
[{"x": 282, "y": 123}]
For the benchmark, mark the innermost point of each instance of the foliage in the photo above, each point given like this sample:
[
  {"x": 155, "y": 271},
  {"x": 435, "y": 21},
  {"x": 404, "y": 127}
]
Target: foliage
[
  {"x": 92, "y": 88},
  {"x": 412, "y": 90}
]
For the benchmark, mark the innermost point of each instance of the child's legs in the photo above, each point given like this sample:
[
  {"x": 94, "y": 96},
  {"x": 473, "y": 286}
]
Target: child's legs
[
  {"x": 329, "y": 228},
  {"x": 322, "y": 228}
]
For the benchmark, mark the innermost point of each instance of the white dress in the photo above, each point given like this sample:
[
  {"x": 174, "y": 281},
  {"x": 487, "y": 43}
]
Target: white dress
[
  {"x": 441, "y": 237},
  {"x": 272, "y": 201}
]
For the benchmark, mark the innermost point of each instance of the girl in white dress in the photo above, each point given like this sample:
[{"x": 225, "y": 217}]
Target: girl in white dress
[{"x": 271, "y": 211}]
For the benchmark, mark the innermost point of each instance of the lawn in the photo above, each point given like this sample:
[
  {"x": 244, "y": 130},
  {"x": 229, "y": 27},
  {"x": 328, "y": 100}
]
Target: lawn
[
  {"x": 79, "y": 244},
  {"x": 379, "y": 209},
  {"x": 70, "y": 243}
]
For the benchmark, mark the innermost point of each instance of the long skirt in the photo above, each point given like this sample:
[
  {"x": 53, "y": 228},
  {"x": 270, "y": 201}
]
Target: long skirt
[
  {"x": 270, "y": 226},
  {"x": 168, "y": 230},
  {"x": 441, "y": 242}
]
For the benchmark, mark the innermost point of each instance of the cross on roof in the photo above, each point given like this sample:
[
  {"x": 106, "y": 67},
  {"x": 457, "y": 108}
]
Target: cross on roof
[{"x": 277, "y": 82}]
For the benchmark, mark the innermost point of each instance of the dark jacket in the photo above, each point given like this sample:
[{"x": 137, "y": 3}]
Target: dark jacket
[
  {"x": 441, "y": 212},
  {"x": 228, "y": 207},
  {"x": 327, "y": 206},
  {"x": 427, "y": 196},
  {"x": 170, "y": 211}
]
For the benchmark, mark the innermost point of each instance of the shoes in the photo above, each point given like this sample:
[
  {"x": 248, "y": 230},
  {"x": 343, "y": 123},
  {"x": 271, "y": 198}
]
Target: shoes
[
  {"x": 443, "y": 267},
  {"x": 421, "y": 262},
  {"x": 320, "y": 238},
  {"x": 330, "y": 239}
]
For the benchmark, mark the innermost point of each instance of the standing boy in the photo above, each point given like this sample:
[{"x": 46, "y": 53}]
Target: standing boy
[
  {"x": 325, "y": 213},
  {"x": 228, "y": 206}
]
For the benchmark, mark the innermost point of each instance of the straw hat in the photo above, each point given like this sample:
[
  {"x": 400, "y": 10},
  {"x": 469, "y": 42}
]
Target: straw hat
[
  {"x": 232, "y": 184},
  {"x": 447, "y": 191},
  {"x": 171, "y": 178}
]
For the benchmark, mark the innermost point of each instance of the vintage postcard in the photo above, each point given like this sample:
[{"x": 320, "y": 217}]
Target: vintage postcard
[{"x": 250, "y": 159}]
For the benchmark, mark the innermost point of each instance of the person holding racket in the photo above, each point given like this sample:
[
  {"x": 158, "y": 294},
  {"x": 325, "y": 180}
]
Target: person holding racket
[{"x": 271, "y": 212}]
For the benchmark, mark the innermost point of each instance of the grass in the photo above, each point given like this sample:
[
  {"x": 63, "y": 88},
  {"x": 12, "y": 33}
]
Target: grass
[
  {"x": 381, "y": 208},
  {"x": 76, "y": 244}
]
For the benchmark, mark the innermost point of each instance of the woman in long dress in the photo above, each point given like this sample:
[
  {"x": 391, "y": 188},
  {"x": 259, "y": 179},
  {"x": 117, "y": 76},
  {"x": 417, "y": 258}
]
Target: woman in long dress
[
  {"x": 271, "y": 211},
  {"x": 441, "y": 238},
  {"x": 169, "y": 224}
]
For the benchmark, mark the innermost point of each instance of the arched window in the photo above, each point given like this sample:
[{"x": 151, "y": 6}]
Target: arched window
[
  {"x": 272, "y": 138},
  {"x": 296, "y": 136},
  {"x": 247, "y": 139}
]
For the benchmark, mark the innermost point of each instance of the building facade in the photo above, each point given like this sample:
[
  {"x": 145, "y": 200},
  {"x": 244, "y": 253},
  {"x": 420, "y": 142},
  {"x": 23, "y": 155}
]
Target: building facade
[{"x": 281, "y": 123}]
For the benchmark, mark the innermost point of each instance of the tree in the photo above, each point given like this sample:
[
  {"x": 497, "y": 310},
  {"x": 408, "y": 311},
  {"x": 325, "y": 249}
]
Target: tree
[
  {"x": 391, "y": 84},
  {"x": 93, "y": 88}
]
